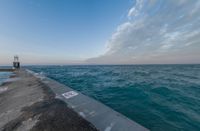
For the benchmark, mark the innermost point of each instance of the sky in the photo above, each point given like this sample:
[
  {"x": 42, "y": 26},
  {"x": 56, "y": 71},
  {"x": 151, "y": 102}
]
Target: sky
[{"x": 100, "y": 31}]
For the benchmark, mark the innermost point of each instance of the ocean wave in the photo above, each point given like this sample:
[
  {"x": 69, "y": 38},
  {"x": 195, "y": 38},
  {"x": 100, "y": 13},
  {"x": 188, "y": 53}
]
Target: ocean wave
[{"x": 160, "y": 97}]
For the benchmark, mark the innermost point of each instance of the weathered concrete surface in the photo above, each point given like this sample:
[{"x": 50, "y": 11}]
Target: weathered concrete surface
[
  {"x": 28, "y": 104},
  {"x": 101, "y": 116}
]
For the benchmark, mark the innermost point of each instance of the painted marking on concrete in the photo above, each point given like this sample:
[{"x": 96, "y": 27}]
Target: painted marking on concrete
[
  {"x": 82, "y": 114},
  {"x": 92, "y": 113},
  {"x": 70, "y": 94},
  {"x": 109, "y": 127}
]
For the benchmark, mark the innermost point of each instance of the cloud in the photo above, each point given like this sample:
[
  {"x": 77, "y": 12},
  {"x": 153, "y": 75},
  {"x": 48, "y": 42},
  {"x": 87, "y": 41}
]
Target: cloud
[
  {"x": 135, "y": 10},
  {"x": 156, "y": 31}
]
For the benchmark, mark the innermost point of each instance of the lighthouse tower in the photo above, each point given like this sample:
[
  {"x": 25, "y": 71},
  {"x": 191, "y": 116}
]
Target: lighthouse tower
[{"x": 16, "y": 63}]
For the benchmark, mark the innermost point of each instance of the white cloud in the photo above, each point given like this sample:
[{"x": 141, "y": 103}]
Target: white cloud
[
  {"x": 166, "y": 46},
  {"x": 156, "y": 32},
  {"x": 135, "y": 10}
]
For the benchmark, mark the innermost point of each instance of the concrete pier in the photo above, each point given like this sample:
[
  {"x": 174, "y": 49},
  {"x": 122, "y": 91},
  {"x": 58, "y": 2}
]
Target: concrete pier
[
  {"x": 35, "y": 102},
  {"x": 26, "y": 104}
]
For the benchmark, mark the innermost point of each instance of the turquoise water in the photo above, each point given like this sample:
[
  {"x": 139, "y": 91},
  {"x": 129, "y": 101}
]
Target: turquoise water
[
  {"x": 159, "y": 97},
  {"x": 4, "y": 76}
]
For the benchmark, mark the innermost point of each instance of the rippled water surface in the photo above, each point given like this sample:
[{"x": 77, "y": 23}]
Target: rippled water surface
[
  {"x": 4, "y": 76},
  {"x": 159, "y": 97}
]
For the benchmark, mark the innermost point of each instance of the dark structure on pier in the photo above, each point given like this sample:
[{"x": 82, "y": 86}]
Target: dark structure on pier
[{"x": 16, "y": 63}]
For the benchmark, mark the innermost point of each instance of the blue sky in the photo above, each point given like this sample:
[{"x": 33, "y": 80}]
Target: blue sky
[
  {"x": 59, "y": 31},
  {"x": 100, "y": 31}
]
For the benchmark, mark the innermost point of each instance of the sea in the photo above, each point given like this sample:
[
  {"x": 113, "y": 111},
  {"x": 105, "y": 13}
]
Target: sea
[
  {"x": 159, "y": 97},
  {"x": 4, "y": 76}
]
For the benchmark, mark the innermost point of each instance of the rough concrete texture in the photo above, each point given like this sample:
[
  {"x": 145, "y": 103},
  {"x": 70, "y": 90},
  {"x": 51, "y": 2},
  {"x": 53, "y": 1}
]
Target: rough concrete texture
[{"x": 28, "y": 104}]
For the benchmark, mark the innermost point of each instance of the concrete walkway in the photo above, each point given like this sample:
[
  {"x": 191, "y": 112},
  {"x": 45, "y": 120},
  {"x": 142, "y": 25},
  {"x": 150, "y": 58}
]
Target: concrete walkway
[{"x": 27, "y": 104}]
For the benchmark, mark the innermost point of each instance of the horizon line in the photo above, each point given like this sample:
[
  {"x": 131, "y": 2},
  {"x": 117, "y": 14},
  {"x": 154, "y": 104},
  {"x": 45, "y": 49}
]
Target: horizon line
[{"x": 1, "y": 65}]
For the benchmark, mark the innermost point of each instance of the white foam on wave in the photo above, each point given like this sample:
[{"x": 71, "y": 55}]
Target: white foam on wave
[{"x": 40, "y": 75}]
